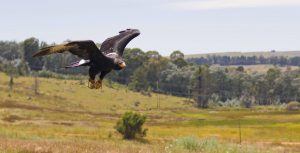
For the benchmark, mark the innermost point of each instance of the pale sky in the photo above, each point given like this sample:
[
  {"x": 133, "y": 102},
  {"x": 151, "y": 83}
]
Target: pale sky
[{"x": 192, "y": 26}]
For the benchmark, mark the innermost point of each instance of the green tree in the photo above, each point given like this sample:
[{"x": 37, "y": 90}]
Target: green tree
[
  {"x": 177, "y": 57},
  {"x": 176, "y": 54},
  {"x": 221, "y": 84},
  {"x": 201, "y": 88},
  {"x": 180, "y": 62},
  {"x": 22, "y": 68},
  {"x": 149, "y": 73},
  {"x": 153, "y": 54},
  {"x": 30, "y": 46},
  {"x": 134, "y": 59},
  {"x": 139, "y": 80},
  {"x": 176, "y": 81},
  {"x": 10, "y": 50},
  {"x": 271, "y": 80},
  {"x": 285, "y": 89}
]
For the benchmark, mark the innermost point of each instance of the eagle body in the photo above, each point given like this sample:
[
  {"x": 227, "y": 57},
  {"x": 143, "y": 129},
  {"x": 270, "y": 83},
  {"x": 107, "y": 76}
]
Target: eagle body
[{"x": 101, "y": 61}]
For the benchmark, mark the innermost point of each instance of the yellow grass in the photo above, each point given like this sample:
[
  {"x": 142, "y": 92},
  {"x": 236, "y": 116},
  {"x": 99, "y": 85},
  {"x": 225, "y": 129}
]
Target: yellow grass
[
  {"x": 258, "y": 53},
  {"x": 68, "y": 113}
]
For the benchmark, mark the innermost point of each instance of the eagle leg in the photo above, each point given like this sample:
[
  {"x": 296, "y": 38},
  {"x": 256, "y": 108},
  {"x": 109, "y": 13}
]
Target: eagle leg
[
  {"x": 101, "y": 77},
  {"x": 98, "y": 84},
  {"x": 92, "y": 84},
  {"x": 92, "y": 73}
]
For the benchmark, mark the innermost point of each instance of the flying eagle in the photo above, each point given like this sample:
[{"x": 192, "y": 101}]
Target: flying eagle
[{"x": 101, "y": 61}]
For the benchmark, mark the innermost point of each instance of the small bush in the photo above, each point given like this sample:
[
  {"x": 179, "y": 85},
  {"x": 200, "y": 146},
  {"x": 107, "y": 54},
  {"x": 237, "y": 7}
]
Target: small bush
[
  {"x": 49, "y": 74},
  {"x": 46, "y": 74},
  {"x": 187, "y": 143},
  {"x": 130, "y": 125},
  {"x": 293, "y": 106},
  {"x": 240, "y": 69},
  {"x": 136, "y": 104},
  {"x": 214, "y": 101},
  {"x": 232, "y": 103},
  {"x": 208, "y": 145}
]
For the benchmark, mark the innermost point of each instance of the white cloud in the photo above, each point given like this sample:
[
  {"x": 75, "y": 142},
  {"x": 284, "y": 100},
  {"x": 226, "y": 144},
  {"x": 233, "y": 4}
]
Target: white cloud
[{"x": 225, "y": 4}]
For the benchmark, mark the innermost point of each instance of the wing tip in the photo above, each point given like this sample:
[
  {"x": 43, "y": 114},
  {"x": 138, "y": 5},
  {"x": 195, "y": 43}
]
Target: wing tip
[
  {"x": 42, "y": 52},
  {"x": 37, "y": 54}
]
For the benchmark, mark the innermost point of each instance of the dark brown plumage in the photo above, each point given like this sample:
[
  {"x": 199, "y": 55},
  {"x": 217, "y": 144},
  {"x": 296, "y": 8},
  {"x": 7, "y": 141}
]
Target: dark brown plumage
[{"x": 102, "y": 61}]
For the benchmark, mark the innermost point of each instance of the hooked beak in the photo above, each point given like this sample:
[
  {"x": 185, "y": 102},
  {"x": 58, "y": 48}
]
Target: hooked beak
[{"x": 122, "y": 65}]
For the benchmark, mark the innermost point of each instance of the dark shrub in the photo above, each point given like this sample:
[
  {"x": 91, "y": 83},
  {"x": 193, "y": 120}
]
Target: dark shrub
[
  {"x": 240, "y": 69},
  {"x": 131, "y": 125},
  {"x": 136, "y": 104}
]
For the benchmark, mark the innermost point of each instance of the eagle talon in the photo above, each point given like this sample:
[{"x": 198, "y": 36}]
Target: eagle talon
[
  {"x": 98, "y": 84},
  {"x": 92, "y": 84}
]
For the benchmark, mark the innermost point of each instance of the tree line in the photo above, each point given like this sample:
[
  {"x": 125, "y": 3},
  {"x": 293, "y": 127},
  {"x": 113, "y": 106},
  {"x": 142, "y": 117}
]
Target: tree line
[
  {"x": 246, "y": 60},
  {"x": 148, "y": 72}
]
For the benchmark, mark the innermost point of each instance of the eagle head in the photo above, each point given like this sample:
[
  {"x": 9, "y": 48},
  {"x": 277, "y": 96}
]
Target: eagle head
[{"x": 119, "y": 64}]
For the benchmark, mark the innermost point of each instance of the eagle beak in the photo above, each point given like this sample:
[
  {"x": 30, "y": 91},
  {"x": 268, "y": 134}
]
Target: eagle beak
[{"x": 122, "y": 65}]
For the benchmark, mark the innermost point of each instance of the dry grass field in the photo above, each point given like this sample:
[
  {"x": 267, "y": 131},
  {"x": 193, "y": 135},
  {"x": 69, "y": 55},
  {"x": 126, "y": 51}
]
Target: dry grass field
[
  {"x": 260, "y": 68},
  {"x": 258, "y": 53},
  {"x": 67, "y": 116}
]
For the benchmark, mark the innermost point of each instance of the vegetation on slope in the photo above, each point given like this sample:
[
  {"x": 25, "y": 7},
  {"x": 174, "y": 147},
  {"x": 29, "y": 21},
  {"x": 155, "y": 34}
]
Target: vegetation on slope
[
  {"x": 67, "y": 113},
  {"x": 148, "y": 72}
]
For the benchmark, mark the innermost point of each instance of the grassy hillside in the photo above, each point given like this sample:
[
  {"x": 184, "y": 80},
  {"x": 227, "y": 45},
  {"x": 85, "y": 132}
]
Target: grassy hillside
[
  {"x": 260, "y": 53},
  {"x": 66, "y": 116}
]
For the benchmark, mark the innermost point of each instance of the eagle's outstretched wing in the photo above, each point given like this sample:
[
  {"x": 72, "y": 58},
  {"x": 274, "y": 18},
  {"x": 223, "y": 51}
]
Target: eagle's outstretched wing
[
  {"x": 118, "y": 42},
  {"x": 84, "y": 49}
]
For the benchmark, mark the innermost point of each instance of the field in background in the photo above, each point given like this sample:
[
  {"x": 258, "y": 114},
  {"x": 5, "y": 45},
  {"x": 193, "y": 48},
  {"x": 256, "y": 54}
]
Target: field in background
[
  {"x": 259, "y": 53},
  {"x": 66, "y": 116},
  {"x": 260, "y": 68}
]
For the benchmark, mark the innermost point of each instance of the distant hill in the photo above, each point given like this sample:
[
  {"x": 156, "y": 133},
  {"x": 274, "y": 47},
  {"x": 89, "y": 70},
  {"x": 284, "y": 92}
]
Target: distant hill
[
  {"x": 281, "y": 58},
  {"x": 261, "y": 53}
]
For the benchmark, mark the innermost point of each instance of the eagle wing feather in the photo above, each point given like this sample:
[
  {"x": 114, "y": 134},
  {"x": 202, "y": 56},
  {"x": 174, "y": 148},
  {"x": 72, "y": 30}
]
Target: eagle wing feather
[{"x": 83, "y": 49}]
